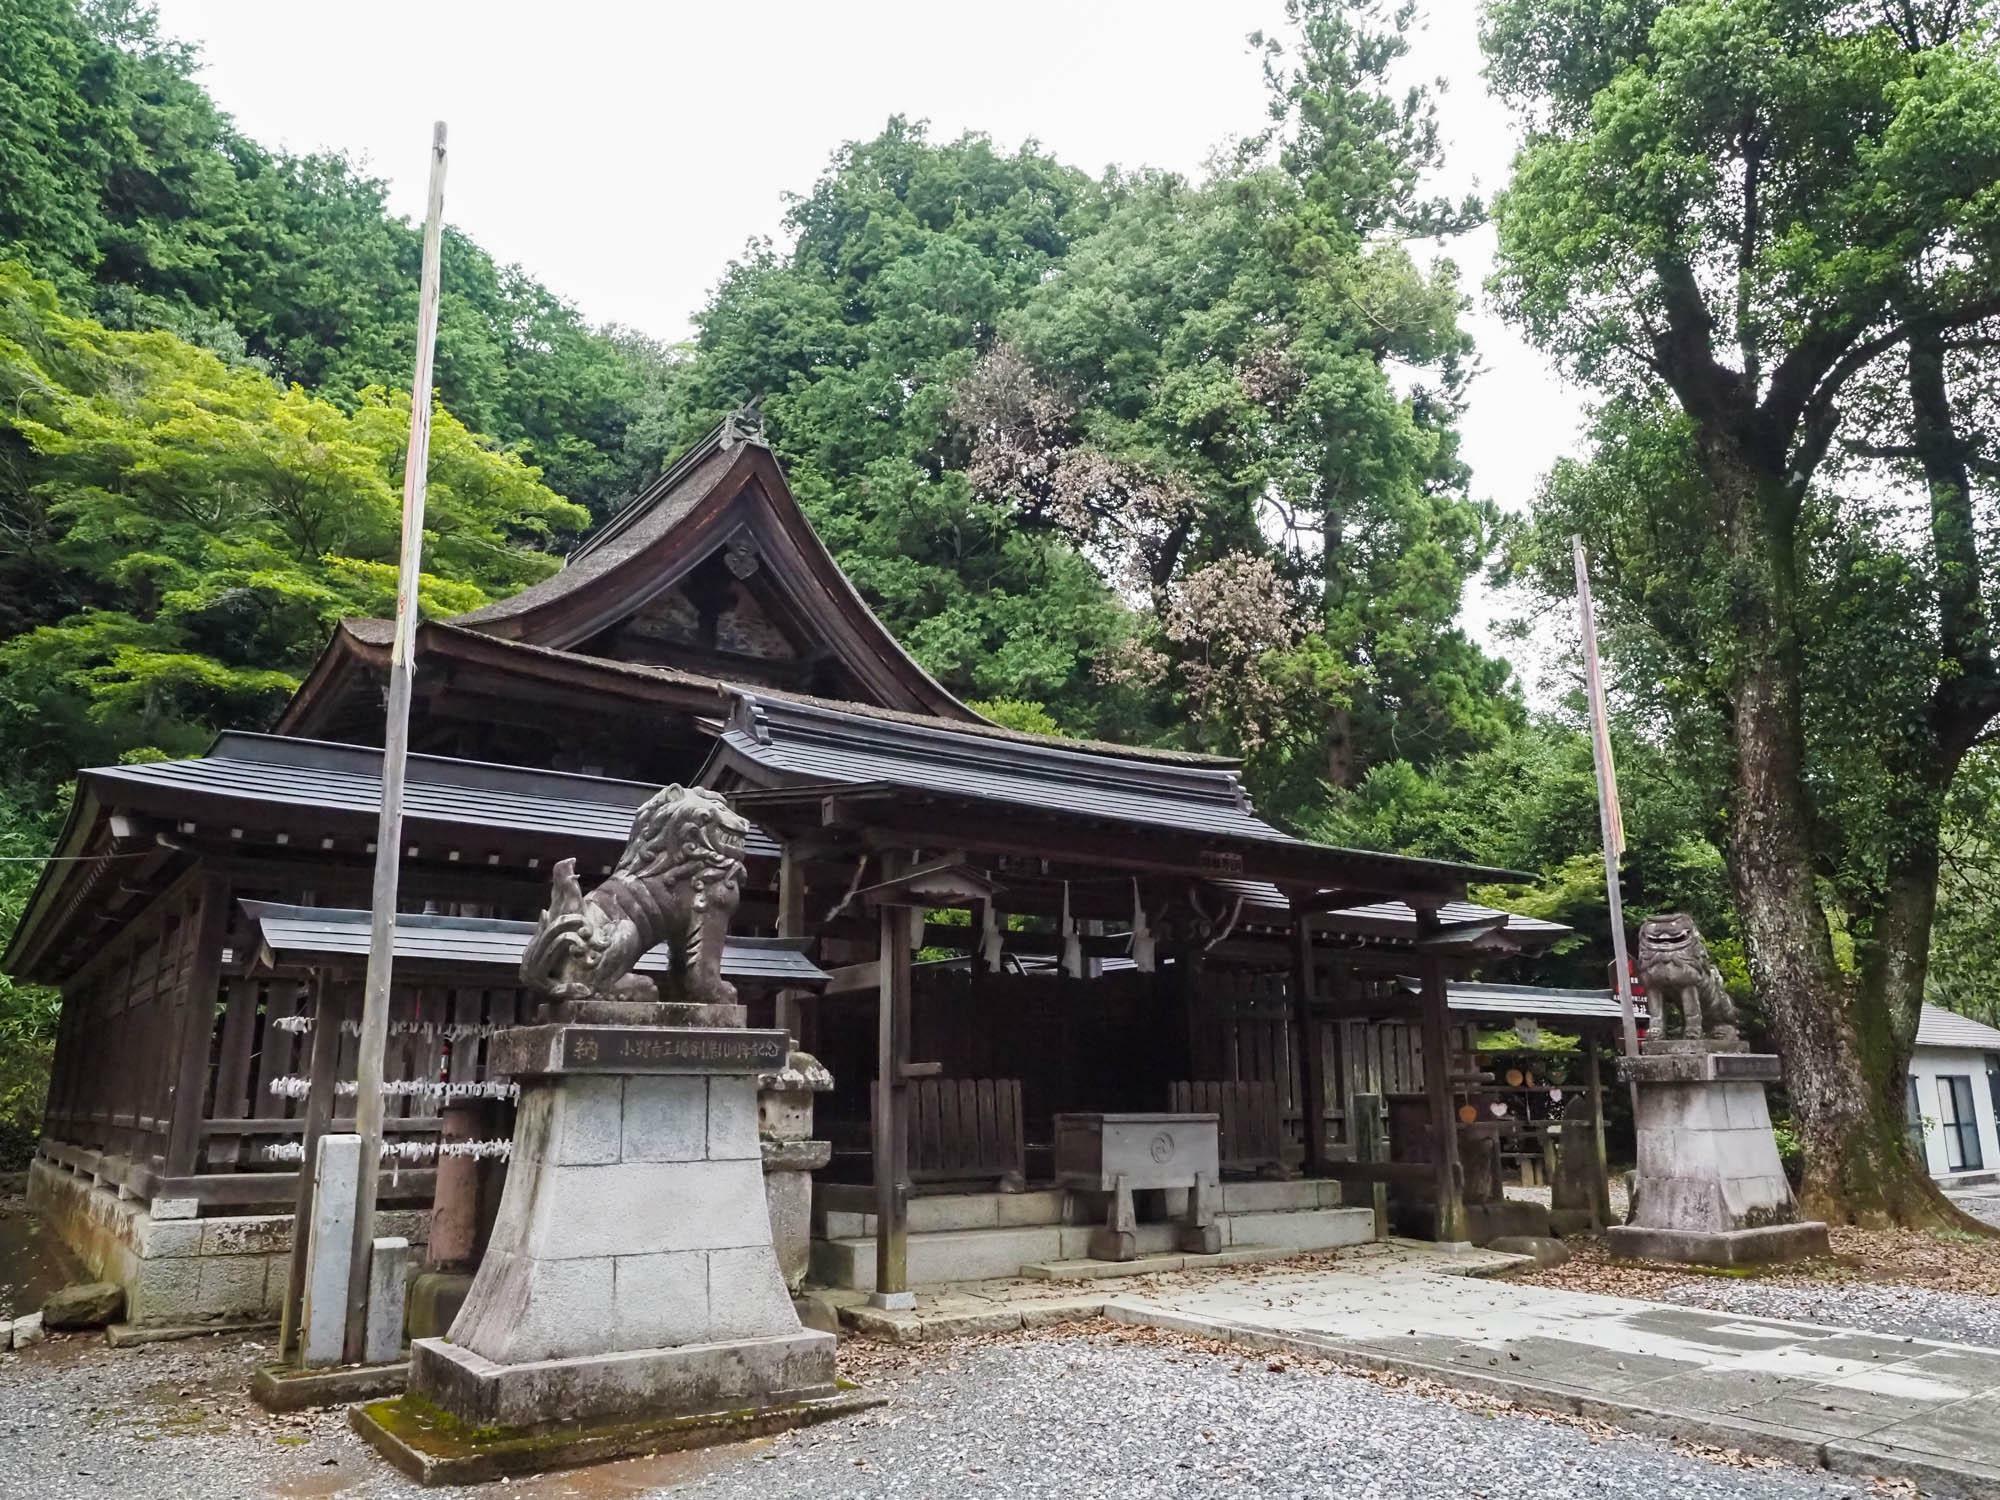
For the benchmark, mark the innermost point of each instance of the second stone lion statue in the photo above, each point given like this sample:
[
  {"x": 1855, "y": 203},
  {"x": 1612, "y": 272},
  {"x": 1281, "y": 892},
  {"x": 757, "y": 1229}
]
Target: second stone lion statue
[
  {"x": 678, "y": 882},
  {"x": 1674, "y": 966}
]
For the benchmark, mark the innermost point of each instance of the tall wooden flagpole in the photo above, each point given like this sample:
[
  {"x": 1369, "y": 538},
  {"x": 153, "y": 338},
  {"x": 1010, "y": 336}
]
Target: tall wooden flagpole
[
  {"x": 1610, "y": 820},
  {"x": 395, "y": 751}
]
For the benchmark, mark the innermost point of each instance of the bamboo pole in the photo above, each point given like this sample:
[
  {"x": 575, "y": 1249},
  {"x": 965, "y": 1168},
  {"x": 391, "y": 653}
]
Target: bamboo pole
[
  {"x": 1610, "y": 821},
  {"x": 395, "y": 751}
]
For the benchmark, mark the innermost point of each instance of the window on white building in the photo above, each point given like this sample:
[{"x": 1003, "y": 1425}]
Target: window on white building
[{"x": 1961, "y": 1124}]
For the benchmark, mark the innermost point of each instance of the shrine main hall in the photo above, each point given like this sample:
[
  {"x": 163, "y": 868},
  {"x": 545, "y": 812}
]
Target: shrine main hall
[{"x": 997, "y": 946}]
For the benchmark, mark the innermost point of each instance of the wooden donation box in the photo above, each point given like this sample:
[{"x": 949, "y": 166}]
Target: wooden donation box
[{"x": 1119, "y": 1155}]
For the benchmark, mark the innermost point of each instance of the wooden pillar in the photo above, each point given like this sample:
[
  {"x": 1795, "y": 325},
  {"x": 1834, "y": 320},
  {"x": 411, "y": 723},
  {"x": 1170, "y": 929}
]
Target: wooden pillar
[
  {"x": 455, "y": 1197},
  {"x": 1600, "y": 1161},
  {"x": 1311, "y": 1070},
  {"x": 892, "y": 1113},
  {"x": 791, "y": 924},
  {"x": 324, "y": 1075},
  {"x": 1451, "y": 1226},
  {"x": 197, "y": 1025},
  {"x": 1186, "y": 983}
]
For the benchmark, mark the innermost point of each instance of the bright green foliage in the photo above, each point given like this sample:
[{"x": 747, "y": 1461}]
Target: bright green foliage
[
  {"x": 908, "y": 254},
  {"x": 1017, "y": 713},
  {"x": 28, "y": 1012},
  {"x": 1238, "y": 335},
  {"x": 1057, "y": 429},
  {"x": 137, "y": 197},
  {"x": 1530, "y": 803},
  {"x": 1965, "y": 956},
  {"x": 196, "y": 529}
]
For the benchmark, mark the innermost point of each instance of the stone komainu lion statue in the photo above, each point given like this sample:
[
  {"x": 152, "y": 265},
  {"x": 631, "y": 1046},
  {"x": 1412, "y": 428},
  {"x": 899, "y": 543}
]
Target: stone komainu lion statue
[
  {"x": 1674, "y": 966},
  {"x": 678, "y": 882}
]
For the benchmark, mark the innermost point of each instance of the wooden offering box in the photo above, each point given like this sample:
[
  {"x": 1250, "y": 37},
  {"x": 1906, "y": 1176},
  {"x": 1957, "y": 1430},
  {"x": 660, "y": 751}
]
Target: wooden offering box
[
  {"x": 1123, "y": 1154},
  {"x": 1147, "y": 1150}
]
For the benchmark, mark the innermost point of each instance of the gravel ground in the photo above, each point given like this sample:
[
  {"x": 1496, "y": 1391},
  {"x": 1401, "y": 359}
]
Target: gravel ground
[
  {"x": 1905, "y": 1311},
  {"x": 1984, "y": 1206},
  {"x": 1072, "y": 1413}
]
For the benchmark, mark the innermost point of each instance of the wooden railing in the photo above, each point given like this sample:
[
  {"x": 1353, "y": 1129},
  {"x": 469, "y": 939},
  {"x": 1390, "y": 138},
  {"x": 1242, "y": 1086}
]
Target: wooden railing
[
  {"x": 1253, "y": 1137},
  {"x": 966, "y": 1130}
]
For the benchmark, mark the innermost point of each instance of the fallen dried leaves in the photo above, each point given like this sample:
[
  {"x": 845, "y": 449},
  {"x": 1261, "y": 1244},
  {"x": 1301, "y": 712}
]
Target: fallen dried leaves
[{"x": 1889, "y": 1257}]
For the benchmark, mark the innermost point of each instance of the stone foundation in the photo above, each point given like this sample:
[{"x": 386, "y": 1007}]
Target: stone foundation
[
  {"x": 1710, "y": 1189},
  {"x": 631, "y": 1272},
  {"x": 176, "y": 1268},
  {"x": 743, "y": 1374},
  {"x": 1739, "y": 1247}
]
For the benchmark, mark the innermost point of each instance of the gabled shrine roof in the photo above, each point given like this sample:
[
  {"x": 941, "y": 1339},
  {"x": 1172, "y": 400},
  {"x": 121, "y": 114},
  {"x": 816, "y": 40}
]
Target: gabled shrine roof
[
  {"x": 727, "y": 491},
  {"x": 804, "y": 740},
  {"x": 367, "y": 642},
  {"x": 1475, "y": 997},
  {"x": 250, "y": 770},
  {"x": 307, "y": 787},
  {"x": 1395, "y": 921}
]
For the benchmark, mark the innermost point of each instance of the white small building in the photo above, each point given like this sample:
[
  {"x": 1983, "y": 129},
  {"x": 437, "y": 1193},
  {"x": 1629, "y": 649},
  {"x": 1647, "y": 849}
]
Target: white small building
[{"x": 1955, "y": 1095}]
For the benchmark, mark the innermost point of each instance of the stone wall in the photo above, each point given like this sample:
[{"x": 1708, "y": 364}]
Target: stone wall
[{"x": 175, "y": 1267}]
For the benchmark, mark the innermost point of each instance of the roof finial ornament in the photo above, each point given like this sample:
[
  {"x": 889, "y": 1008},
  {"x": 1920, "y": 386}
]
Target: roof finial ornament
[{"x": 745, "y": 425}]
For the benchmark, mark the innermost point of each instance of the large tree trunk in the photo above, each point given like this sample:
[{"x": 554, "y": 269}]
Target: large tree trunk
[{"x": 1844, "y": 1068}]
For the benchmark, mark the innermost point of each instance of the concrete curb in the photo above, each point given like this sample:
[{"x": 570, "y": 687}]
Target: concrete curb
[
  {"x": 1933, "y": 1474},
  {"x": 917, "y": 1328},
  {"x": 132, "y": 1335},
  {"x": 285, "y": 1388}
]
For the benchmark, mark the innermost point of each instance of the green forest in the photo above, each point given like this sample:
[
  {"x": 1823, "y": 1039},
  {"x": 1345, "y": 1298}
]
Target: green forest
[{"x": 1136, "y": 456}]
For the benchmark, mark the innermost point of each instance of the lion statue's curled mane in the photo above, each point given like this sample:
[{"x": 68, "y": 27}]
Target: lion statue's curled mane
[{"x": 678, "y": 882}]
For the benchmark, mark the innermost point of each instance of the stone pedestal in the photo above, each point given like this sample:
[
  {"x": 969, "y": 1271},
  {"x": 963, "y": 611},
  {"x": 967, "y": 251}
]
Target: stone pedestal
[
  {"x": 791, "y": 1156},
  {"x": 630, "y": 1274},
  {"x": 1710, "y": 1187}
]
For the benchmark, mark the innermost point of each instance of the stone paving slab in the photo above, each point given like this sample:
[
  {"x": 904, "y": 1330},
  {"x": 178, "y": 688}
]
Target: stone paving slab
[
  {"x": 962, "y": 1309},
  {"x": 1853, "y": 1402}
]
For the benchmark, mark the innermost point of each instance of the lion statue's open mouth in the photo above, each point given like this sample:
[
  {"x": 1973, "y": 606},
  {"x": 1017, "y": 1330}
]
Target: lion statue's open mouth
[{"x": 1674, "y": 966}]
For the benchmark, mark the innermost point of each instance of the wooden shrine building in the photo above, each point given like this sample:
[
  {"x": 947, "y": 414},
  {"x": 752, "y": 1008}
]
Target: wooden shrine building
[{"x": 978, "y": 930}]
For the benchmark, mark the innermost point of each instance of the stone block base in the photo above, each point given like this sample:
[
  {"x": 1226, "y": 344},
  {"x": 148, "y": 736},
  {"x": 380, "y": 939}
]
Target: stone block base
[
  {"x": 1721, "y": 1247},
  {"x": 180, "y": 1270},
  {"x": 433, "y": 1450},
  {"x": 633, "y": 1385}
]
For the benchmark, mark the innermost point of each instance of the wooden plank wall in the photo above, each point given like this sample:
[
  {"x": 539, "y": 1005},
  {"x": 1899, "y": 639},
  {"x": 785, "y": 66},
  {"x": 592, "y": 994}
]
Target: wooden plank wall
[
  {"x": 245, "y": 1117},
  {"x": 112, "y": 1080},
  {"x": 1240, "y": 1031},
  {"x": 111, "y": 1084},
  {"x": 1110, "y": 1043}
]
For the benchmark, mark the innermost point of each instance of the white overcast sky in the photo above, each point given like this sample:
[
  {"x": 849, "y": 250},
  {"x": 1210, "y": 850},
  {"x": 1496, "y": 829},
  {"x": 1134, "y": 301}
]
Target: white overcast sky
[{"x": 622, "y": 153}]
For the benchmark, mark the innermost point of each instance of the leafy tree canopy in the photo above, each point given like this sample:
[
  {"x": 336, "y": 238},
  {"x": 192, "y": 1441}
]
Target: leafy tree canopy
[
  {"x": 1766, "y": 230},
  {"x": 129, "y": 190},
  {"x": 1176, "y": 461},
  {"x": 184, "y": 533}
]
